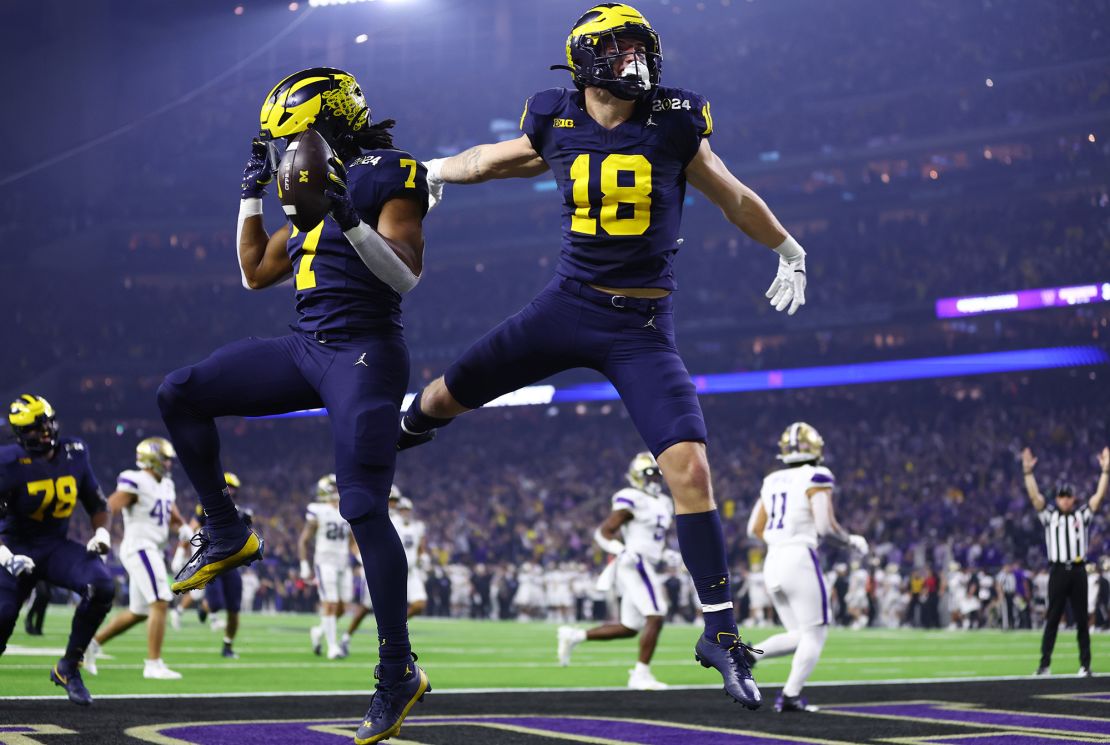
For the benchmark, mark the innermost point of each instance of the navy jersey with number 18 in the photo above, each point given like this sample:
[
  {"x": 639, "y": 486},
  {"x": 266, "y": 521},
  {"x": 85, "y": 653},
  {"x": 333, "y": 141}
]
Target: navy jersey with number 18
[{"x": 622, "y": 188}]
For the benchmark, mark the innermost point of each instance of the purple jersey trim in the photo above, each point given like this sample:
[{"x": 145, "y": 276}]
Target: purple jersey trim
[
  {"x": 821, "y": 584},
  {"x": 150, "y": 571},
  {"x": 626, "y": 500},
  {"x": 129, "y": 482},
  {"x": 821, "y": 478},
  {"x": 647, "y": 582}
]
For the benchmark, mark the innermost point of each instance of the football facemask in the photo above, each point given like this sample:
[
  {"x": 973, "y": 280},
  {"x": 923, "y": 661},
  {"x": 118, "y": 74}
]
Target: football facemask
[
  {"x": 32, "y": 421},
  {"x": 594, "y": 49},
  {"x": 155, "y": 454}
]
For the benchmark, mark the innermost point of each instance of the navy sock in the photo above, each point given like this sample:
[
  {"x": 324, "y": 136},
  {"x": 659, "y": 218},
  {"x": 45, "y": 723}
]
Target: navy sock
[
  {"x": 416, "y": 422},
  {"x": 86, "y": 620},
  {"x": 702, "y": 542},
  {"x": 387, "y": 571},
  {"x": 220, "y": 516}
]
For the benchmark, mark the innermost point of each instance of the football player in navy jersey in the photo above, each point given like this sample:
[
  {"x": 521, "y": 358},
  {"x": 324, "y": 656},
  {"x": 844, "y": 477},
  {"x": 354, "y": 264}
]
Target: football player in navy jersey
[
  {"x": 347, "y": 352},
  {"x": 622, "y": 149},
  {"x": 42, "y": 478}
]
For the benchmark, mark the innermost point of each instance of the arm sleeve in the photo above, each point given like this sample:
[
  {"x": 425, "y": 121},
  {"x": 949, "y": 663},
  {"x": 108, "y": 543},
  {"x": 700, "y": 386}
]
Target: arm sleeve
[
  {"x": 822, "y": 477},
  {"x": 1044, "y": 516},
  {"x": 310, "y": 514}
]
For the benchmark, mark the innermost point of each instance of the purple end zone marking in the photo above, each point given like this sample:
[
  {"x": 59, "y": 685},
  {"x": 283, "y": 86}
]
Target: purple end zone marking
[
  {"x": 641, "y": 733},
  {"x": 19, "y": 729},
  {"x": 976, "y": 717}
]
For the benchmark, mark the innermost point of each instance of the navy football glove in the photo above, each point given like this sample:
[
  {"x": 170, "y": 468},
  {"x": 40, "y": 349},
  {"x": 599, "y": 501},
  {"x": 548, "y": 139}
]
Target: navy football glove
[
  {"x": 258, "y": 173},
  {"x": 342, "y": 208}
]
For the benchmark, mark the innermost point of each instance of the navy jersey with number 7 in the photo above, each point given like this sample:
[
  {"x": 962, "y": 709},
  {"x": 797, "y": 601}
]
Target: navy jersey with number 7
[
  {"x": 335, "y": 290},
  {"x": 623, "y": 188}
]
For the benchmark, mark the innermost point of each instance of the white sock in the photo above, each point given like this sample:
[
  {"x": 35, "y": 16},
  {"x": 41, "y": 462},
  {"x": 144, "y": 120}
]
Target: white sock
[
  {"x": 346, "y": 637},
  {"x": 154, "y": 663},
  {"x": 642, "y": 669},
  {"x": 227, "y": 640},
  {"x": 579, "y": 635},
  {"x": 778, "y": 645},
  {"x": 805, "y": 659},
  {"x": 328, "y": 622}
]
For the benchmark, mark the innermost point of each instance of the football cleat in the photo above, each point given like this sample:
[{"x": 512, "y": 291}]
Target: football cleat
[
  {"x": 69, "y": 677},
  {"x": 569, "y": 638},
  {"x": 391, "y": 703},
  {"x": 407, "y": 439},
  {"x": 316, "y": 636},
  {"x": 1084, "y": 672},
  {"x": 643, "y": 680},
  {"x": 157, "y": 670},
  {"x": 786, "y": 703},
  {"x": 1043, "y": 670},
  {"x": 214, "y": 557},
  {"x": 91, "y": 652},
  {"x": 727, "y": 654},
  {"x": 345, "y": 644},
  {"x": 228, "y": 652}
]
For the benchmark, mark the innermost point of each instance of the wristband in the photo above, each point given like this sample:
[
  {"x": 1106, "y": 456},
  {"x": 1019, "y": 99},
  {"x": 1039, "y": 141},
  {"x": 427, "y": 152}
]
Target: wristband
[{"x": 790, "y": 249}]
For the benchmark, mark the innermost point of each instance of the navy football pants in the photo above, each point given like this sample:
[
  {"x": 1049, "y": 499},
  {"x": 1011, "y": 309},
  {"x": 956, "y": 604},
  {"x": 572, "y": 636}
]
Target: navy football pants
[
  {"x": 361, "y": 381},
  {"x": 67, "y": 564},
  {"x": 571, "y": 325}
]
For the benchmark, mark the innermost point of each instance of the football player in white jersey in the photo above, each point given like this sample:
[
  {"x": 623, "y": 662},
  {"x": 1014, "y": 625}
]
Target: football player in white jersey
[
  {"x": 794, "y": 509},
  {"x": 331, "y": 563},
  {"x": 641, "y": 515},
  {"x": 412, "y": 535},
  {"x": 147, "y": 498}
]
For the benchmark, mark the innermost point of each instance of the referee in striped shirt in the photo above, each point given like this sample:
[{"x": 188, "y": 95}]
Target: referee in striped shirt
[{"x": 1066, "y": 533}]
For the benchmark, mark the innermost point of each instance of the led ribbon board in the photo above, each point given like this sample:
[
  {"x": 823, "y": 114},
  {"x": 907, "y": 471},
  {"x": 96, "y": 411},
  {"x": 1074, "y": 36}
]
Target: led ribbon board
[
  {"x": 1046, "y": 297},
  {"x": 811, "y": 377}
]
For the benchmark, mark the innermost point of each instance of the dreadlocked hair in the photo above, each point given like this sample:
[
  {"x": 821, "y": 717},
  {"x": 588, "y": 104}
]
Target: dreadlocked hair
[{"x": 377, "y": 136}]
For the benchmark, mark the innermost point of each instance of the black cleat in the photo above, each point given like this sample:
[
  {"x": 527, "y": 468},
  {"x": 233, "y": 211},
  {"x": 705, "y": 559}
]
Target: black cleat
[
  {"x": 786, "y": 703},
  {"x": 216, "y": 556},
  {"x": 730, "y": 656},
  {"x": 407, "y": 439},
  {"x": 229, "y": 652},
  {"x": 69, "y": 677},
  {"x": 391, "y": 704},
  {"x": 1043, "y": 670}
]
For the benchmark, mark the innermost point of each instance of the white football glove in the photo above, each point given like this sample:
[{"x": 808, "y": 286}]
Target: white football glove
[
  {"x": 435, "y": 182},
  {"x": 788, "y": 291},
  {"x": 859, "y": 544},
  {"x": 100, "y": 543},
  {"x": 16, "y": 564},
  {"x": 306, "y": 571}
]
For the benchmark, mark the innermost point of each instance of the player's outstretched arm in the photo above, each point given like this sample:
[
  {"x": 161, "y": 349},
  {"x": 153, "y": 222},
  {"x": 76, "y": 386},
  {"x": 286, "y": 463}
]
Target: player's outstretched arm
[
  {"x": 1103, "y": 480},
  {"x": 509, "y": 159},
  {"x": 1028, "y": 461},
  {"x": 746, "y": 210}
]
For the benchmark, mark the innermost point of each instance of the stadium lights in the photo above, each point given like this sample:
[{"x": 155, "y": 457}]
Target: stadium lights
[
  {"x": 1045, "y": 297},
  {"x": 1021, "y": 360},
  {"x": 320, "y": 3}
]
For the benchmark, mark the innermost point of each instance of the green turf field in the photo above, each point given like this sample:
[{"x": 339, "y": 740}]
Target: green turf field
[{"x": 275, "y": 656}]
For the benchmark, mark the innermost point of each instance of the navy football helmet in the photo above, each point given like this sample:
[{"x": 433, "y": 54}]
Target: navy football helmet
[{"x": 591, "y": 63}]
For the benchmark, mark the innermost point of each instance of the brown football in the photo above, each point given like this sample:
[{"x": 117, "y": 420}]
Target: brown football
[{"x": 302, "y": 177}]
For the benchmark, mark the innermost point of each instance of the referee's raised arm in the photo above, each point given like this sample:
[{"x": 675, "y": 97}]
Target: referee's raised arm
[
  {"x": 1103, "y": 479},
  {"x": 1028, "y": 461}
]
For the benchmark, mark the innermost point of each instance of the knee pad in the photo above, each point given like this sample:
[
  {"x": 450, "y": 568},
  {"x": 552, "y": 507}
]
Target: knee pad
[
  {"x": 170, "y": 393},
  {"x": 101, "y": 593}
]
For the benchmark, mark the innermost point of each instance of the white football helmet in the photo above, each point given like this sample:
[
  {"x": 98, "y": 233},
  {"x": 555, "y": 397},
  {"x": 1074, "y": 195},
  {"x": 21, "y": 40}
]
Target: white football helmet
[
  {"x": 801, "y": 443},
  {"x": 644, "y": 474}
]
